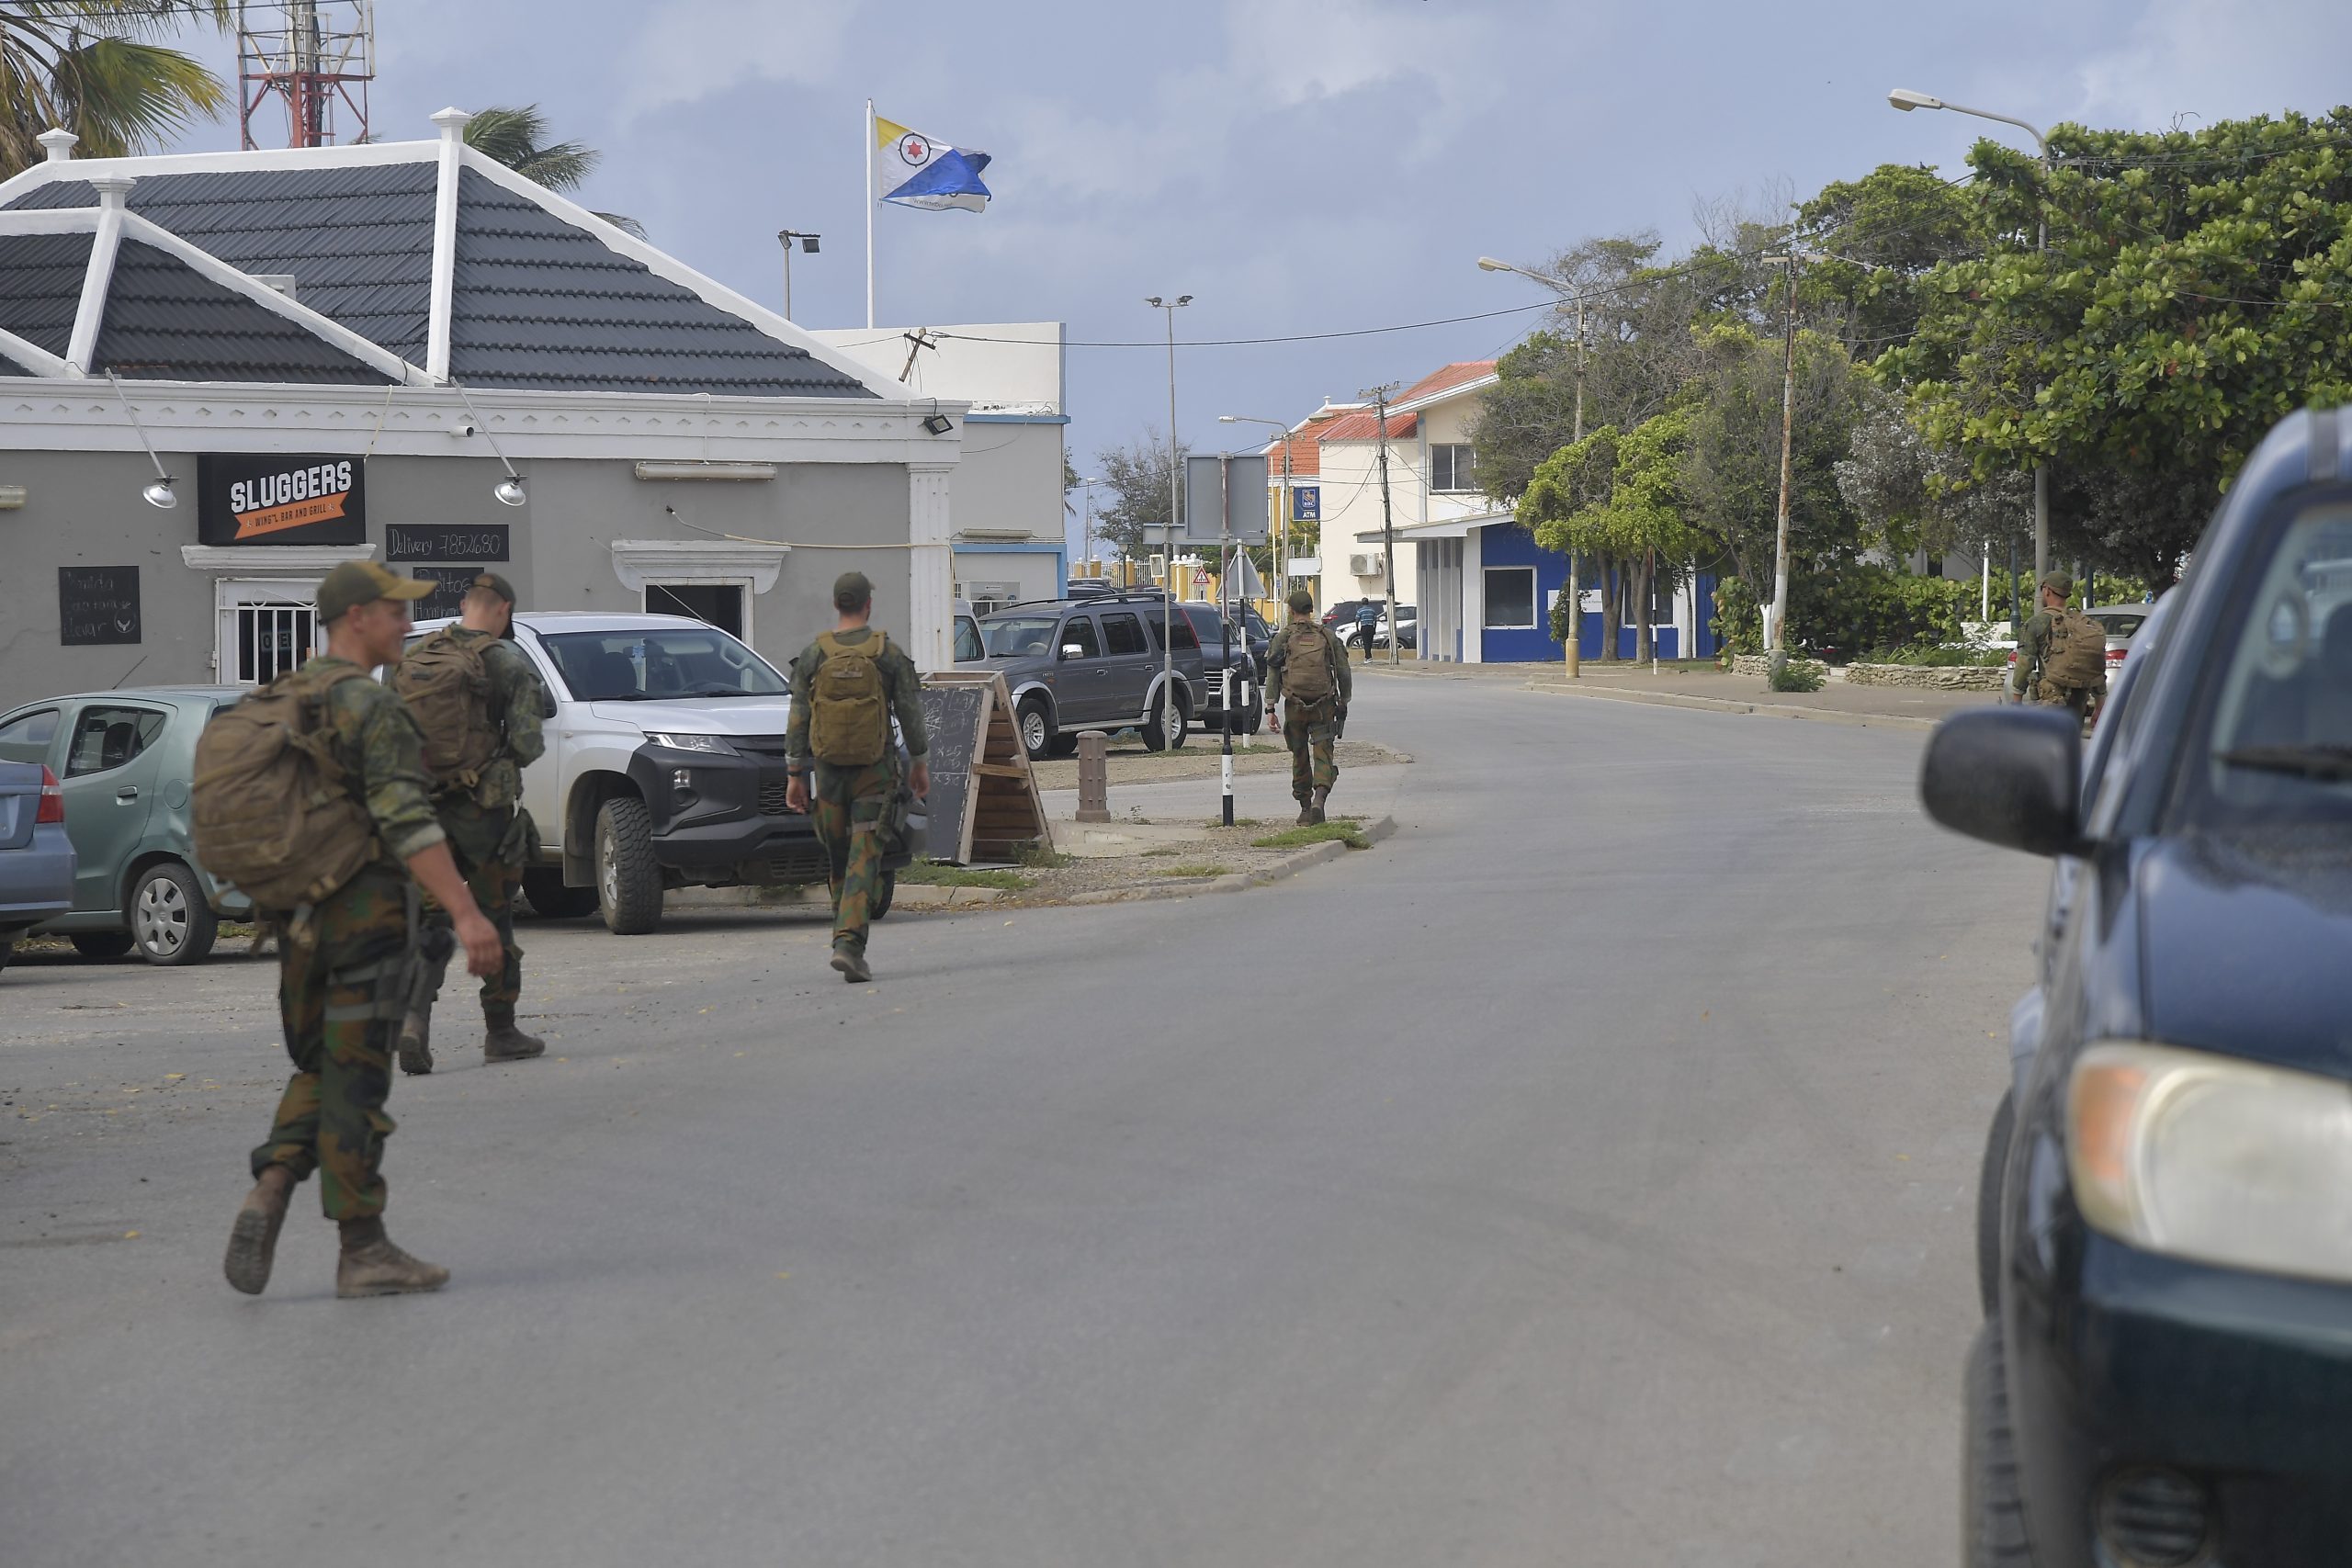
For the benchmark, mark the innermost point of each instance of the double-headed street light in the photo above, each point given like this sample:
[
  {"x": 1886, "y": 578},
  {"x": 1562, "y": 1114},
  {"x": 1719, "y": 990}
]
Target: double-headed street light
[
  {"x": 1567, "y": 291},
  {"x": 1906, "y": 100}
]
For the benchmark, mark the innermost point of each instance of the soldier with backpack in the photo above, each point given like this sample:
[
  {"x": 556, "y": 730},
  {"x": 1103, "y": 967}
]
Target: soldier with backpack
[
  {"x": 1307, "y": 664},
  {"x": 311, "y": 796},
  {"x": 2061, "y": 657},
  {"x": 846, "y": 687},
  {"x": 479, "y": 705}
]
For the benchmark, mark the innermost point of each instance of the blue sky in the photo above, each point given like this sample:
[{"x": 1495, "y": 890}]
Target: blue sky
[{"x": 1296, "y": 165}]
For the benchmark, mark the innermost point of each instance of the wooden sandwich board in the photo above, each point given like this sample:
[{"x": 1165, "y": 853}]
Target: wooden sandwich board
[{"x": 984, "y": 801}]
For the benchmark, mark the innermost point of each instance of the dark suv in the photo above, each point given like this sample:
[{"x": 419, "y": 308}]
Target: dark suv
[
  {"x": 1093, "y": 663},
  {"x": 1246, "y": 662},
  {"x": 2163, "y": 1377}
]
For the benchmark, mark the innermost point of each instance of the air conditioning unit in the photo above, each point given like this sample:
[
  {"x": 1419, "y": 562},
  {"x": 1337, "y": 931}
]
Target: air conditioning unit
[{"x": 1367, "y": 565}]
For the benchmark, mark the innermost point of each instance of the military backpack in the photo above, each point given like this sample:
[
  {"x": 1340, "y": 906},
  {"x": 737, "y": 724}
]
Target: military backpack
[
  {"x": 274, "y": 814},
  {"x": 1306, "y": 663},
  {"x": 2076, "y": 657},
  {"x": 849, "y": 718},
  {"x": 445, "y": 683}
]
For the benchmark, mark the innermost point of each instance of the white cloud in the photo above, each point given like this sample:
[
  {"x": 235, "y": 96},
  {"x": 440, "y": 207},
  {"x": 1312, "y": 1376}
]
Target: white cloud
[
  {"x": 2202, "y": 61},
  {"x": 690, "y": 50}
]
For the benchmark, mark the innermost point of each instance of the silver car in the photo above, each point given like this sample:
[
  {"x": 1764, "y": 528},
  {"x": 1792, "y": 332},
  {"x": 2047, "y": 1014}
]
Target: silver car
[{"x": 36, "y": 857}]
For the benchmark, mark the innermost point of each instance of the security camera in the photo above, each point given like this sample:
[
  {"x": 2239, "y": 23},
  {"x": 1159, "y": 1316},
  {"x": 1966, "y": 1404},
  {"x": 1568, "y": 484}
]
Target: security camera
[{"x": 464, "y": 428}]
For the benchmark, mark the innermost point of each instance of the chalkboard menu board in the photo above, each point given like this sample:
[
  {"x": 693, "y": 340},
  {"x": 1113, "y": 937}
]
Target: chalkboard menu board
[
  {"x": 449, "y": 585},
  {"x": 459, "y": 543},
  {"x": 97, "y": 604},
  {"x": 954, "y": 717}
]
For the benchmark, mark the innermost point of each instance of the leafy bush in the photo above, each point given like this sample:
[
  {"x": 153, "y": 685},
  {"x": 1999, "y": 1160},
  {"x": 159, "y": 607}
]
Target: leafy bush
[{"x": 1797, "y": 675}]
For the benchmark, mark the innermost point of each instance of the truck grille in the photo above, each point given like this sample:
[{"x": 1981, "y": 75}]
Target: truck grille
[{"x": 771, "y": 799}]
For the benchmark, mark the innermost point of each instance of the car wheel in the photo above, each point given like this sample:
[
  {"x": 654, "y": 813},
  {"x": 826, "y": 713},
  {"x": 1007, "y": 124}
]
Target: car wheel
[
  {"x": 884, "y": 892},
  {"x": 1037, "y": 728},
  {"x": 170, "y": 922},
  {"x": 7, "y": 951},
  {"x": 1988, "y": 1202},
  {"x": 1992, "y": 1511},
  {"x": 629, "y": 881},
  {"x": 1167, "y": 725},
  {"x": 101, "y": 944},
  {"x": 551, "y": 900}
]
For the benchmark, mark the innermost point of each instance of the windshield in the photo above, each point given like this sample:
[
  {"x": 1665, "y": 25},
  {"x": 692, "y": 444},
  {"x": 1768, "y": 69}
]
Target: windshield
[
  {"x": 2276, "y": 735},
  {"x": 2120, "y": 622},
  {"x": 662, "y": 662},
  {"x": 968, "y": 641},
  {"x": 1012, "y": 637}
]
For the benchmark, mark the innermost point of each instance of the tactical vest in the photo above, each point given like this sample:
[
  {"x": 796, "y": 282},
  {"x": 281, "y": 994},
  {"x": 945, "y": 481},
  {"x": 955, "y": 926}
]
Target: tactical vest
[
  {"x": 275, "y": 813},
  {"x": 2075, "y": 656},
  {"x": 1306, "y": 663},
  {"x": 849, "y": 709},
  {"x": 445, "y": 679}
]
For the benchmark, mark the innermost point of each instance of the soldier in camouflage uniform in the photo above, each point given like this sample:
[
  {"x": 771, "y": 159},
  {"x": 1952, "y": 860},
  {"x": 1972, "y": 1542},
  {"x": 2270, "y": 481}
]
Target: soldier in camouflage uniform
[
  {"x": 489, "y": 833},
  {"x": 342, "y": 961},
  {"x": 849, "y": 802},
  {"x": 1312, "y": 722},
  {"x": 2030, "y": 681}
]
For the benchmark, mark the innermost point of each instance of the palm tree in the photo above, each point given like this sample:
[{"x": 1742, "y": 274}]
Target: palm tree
[
  {"x": 517, "y": 138},
  {"x": 91, "y": 66}
]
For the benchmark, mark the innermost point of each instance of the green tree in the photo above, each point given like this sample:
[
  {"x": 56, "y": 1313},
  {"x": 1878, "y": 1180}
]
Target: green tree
[
  {"x": 518, "y": 139},
  {"x": 1617, "y": 499},
  {"x": 93, "y": 67},
  {"x": 1136, "y": 522},
  {"x": 1881, "y": 239}
]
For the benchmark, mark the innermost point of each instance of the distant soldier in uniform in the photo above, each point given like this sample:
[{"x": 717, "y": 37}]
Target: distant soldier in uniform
[
  {"x": 2061, "y": 657},
  {"x": 480, "y": 705},
  {"x": 846, "y": 687},
  {"x": 1307, "y": 664},
  {"x": 344, "y": 949}
]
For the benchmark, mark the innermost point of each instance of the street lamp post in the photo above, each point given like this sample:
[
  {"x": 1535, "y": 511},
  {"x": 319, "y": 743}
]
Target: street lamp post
[
  {"x": 1168, "y": 550},
  {"x": 1906, "y": 100},
  {"x": 1086, "y": 524},
  {"x": 807, "y": 248},
  {"x": 1567, "y": 291}
]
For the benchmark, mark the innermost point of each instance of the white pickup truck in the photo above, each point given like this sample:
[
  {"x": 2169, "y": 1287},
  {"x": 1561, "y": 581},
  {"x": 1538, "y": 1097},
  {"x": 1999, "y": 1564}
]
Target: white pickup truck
[{"x": 664, "y": 768}]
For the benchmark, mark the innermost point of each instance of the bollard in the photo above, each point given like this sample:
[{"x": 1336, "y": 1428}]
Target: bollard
[{"x": 1093, "y": 777}]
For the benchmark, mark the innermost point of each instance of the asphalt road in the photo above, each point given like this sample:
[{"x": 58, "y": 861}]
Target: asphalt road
[{"x": 1580, "y": 1177}]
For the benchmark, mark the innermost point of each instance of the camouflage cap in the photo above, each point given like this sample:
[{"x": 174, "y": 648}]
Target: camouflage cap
[
  {"x": 358, "y": 582},
  {"x": 2058, "y": 583},
  {"x": 1301, "y": 601},
  {"x": 851, "y": 589}
]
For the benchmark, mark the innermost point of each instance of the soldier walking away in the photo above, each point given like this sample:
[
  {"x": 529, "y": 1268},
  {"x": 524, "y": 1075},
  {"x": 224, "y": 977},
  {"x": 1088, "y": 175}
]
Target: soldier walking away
[
  {"x": 310, "y": 794},
  {"x": 2061, "y": 657},
  {"x": 1307, "y": 665},
  {"x": 846, "y": 687},
  {"x": 480, "y": 705}
]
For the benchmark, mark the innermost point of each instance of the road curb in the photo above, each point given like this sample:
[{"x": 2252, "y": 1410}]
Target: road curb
[
  {"x": 1288, "y": 866},
  {"x": 1719, "y": 704}
]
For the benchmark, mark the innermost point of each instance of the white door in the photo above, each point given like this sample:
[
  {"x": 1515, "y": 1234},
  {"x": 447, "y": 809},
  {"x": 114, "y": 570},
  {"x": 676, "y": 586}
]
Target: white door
[{"x": 266, "y": 627}]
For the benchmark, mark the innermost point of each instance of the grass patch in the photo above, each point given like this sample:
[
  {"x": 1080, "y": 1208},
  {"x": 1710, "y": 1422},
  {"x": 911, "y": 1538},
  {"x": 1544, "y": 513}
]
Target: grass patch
[
  {"x": 1194, "y": 871},
  {"x": 930, "y": 873},
  {"x": 1041, "y": 858},
  {"x": 1149, "y": 854},
  {"x": 1347, "y": 829},
  {"x": 1238, "y": 822}
]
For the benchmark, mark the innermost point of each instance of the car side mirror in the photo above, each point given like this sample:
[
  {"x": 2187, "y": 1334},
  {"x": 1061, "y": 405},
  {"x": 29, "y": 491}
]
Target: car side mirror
[
  {"x": 2010, "y": 776},
  {"x": 1071, "y": 651}
]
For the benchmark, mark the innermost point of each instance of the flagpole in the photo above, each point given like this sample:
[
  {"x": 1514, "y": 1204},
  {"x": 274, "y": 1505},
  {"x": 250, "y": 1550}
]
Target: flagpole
[{"x": 869, "y": 212}]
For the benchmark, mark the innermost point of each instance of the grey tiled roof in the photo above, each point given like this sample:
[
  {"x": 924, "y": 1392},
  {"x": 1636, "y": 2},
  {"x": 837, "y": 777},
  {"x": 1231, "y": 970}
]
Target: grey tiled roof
[
  {"x": 539, "y": 303},
  {"x": 43, "y": 275},
  {"x": 357, "y": 239},
  {"x": 166, "y": 320}
]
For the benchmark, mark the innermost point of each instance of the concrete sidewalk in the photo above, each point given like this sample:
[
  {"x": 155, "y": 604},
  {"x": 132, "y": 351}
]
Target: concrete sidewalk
[{"x": 1713, "y": 689}]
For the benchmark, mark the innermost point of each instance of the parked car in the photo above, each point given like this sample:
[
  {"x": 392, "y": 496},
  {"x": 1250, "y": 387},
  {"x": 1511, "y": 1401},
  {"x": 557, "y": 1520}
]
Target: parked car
[
  {"x": 35, "y": 855},
  {"x": 123, "y": 760},
  {"x": 1340, "y": 615},
  {"x": 1209, "y": 629},
  {"x": 1095, "y": 663},
  {"x": 664, "y": 768},
  {"x": 1405, "y": 613},
  {"x": 2162, "y": 1376},
  {"x": 967, "y": 634}
]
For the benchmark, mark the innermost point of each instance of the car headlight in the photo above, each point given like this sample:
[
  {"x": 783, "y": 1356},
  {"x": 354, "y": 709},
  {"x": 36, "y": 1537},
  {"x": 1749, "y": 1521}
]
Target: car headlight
[
  {"x": 713, "y": 743},
  {"x": 2213, "y": 1159}
]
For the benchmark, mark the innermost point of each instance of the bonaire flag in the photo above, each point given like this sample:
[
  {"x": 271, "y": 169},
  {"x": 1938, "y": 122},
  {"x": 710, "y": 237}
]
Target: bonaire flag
[{"x": 913, "y": 170}]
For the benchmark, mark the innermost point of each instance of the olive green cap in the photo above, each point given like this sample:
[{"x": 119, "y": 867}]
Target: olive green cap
[
  {"x": 1302, "y": 602},
  {"x": 2058, "y": 583},
  {"x": 495, "y": 584},
  {"x": 851, "y": 589},
  {"x": 358, "y": 582}
]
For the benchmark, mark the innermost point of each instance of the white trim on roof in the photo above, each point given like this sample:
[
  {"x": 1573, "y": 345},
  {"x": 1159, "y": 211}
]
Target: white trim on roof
[
  {"x": 1475, "y": 384},
  {"x": 32, "y": 356},
  {"x": 97, "y": 275},
  {"x": 365, "y": 156},
  {"x": 444, "y": 294}
]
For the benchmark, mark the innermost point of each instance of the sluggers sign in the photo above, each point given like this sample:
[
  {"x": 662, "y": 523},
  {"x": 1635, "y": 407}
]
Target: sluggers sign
[{"x": 281, "y": 499}]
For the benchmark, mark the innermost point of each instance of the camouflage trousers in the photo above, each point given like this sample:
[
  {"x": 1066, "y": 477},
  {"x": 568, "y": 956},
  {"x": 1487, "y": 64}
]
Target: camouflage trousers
[
  {"x": 1307, "y": 730},
  {"x": 337, "y": 979},
  {"x": 847, "y": 806},
  {"x": 2051, "y": 695},
  {"x": 484, "y": 840}
]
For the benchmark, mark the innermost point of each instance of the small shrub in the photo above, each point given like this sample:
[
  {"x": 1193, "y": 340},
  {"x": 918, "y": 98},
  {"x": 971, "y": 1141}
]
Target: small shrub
[
  {"x": 1194, "y": 871},
  {"x": 1797, "y": 675}
]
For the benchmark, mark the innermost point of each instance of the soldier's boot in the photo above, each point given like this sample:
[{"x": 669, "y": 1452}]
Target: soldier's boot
[
  {"x": 372, "y": 1266},
  {"x": 414, "y": 1047},
  {"x": 504, "y": 1043},
  {"x": 1305, "y": 814},
  {"x": 253, "y": 1239},
  {"x": 1314, "y": 810},
  {"x": 852, "y": 963}
]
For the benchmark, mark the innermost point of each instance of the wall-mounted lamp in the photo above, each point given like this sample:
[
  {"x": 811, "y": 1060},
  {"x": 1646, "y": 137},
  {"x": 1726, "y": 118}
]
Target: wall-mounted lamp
[
  {"x": 158, "y": 494},
  {"x": 509, "y": 490},
  {"x": 939, "y": 424}
]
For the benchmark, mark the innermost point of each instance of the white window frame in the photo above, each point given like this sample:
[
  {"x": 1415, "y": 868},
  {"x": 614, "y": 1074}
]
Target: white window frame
[
  {"x": 232, "y": 596},
  {"x": 1454, "y": 485},
  {"x": 751, "y": 595},
  {"x": 1486, "y": 621}
]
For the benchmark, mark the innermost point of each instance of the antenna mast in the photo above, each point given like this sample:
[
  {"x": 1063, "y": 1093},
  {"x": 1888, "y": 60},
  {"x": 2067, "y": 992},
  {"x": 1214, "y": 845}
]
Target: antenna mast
[{"x": 311, "y": 54}]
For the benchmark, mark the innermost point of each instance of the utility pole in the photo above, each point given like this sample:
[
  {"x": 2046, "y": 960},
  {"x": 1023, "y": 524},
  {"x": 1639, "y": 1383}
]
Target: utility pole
[
  {"x": 1776, "y": 636},
  {"x": 1225, "y": 652},
  {"x": 1576, "y": 598},
  {"x": 1168, "y": 550},
  {"x": 1379, "y": 395}
]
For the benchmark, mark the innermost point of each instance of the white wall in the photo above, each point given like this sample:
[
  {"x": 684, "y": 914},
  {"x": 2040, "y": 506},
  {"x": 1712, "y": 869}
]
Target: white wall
[{"x": 1350, "y": 483}]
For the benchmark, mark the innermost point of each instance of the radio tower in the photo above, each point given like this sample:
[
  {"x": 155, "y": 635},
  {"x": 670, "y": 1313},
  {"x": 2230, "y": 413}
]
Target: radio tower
[{"x": 313, "y": 54}]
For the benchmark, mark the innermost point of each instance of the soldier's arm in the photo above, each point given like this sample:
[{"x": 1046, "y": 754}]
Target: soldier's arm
[
  {"x": 906, "y": 699},
  {"x": 1277, "y": 655},
  {"x": 2029, "y": 654},
  {"x": 523, "y": 702},
  {"x": 796, "y": 727},
  {"x": 392, "y": 761},
  {"x": 1343, "y": 677}
]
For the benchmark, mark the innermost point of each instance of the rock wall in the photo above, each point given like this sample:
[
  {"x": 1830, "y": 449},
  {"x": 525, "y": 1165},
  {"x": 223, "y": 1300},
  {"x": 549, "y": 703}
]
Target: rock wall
[{"x": 1936, "y": 677}]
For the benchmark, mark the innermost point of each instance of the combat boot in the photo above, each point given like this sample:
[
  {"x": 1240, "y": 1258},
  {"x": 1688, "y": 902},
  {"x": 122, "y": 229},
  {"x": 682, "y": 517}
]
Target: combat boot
[
  {"x": 253, "y": 1239},
  {"x": 1305, "y": 815},
  {"x": 414, "y": 1047},
  {"x": 852, "y": 963},
  {"x": 504, "y": 1043},
  {"x": 1314, "y": 811},
  {"x": 372, "y": 1266}
]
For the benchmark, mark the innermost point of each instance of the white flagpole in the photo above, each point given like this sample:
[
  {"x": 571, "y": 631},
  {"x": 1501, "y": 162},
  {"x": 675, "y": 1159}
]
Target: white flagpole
[{"x": 869, "y": 212}]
